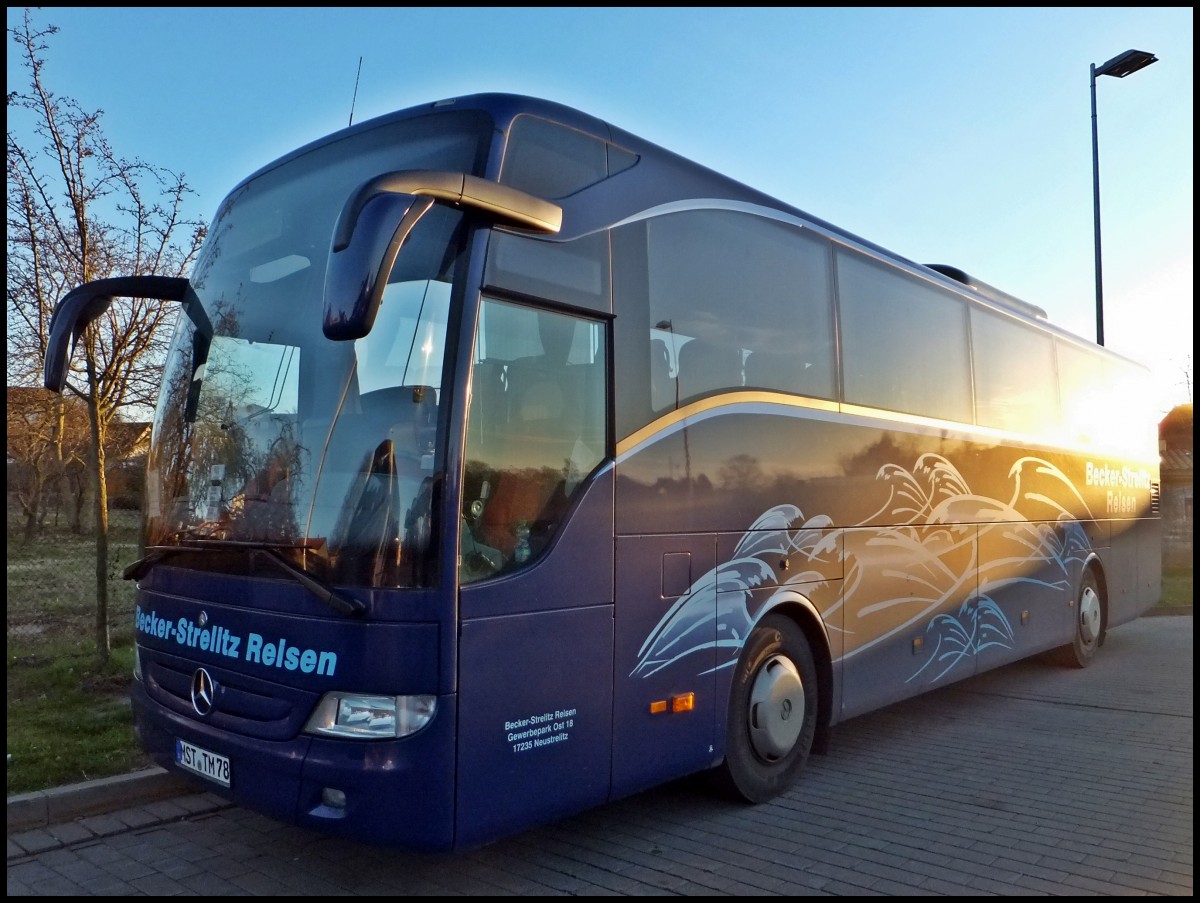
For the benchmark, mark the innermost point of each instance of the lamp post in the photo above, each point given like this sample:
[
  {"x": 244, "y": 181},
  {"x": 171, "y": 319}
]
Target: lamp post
[{"x": 1119, "y": 66}]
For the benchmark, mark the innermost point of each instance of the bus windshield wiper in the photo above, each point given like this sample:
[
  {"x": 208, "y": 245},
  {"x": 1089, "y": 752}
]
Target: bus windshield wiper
[
  {"x": 138, "y": 569},
  {"x": 343, "y": 605}
]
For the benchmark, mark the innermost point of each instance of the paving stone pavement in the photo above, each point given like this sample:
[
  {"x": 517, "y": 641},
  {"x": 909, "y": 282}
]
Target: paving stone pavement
[{"x": 1028, "y": 780}]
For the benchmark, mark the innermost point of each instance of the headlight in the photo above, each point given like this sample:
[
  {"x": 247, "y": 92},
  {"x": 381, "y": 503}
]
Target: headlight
[
  {"x": 366, "y": 717},
  {"x": 137, "y": 662}
]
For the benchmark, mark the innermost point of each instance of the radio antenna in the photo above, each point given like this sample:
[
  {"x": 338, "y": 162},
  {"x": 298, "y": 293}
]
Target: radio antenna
[{"x": 355, "y": 97}]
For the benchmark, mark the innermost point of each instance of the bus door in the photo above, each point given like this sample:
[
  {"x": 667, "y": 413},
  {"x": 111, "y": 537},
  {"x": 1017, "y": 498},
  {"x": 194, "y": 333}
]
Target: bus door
[{"x": 535, "y": 574}]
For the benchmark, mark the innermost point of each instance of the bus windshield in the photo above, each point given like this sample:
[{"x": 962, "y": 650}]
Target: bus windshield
[{"x": 268, "y": 433}]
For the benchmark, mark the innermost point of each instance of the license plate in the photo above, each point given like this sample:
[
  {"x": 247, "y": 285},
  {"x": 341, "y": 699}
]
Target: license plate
[{"x": 202, "y": 762}]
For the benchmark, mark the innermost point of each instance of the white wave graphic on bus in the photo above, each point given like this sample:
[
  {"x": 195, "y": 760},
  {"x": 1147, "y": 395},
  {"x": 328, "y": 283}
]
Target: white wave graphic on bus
[{"x": 932, "y": 521}]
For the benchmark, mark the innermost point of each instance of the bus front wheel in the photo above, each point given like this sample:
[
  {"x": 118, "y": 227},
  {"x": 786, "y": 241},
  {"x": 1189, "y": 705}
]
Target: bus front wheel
[
  {"x": 772, "y": 711},
  {"x": 1089, "y": 625}
]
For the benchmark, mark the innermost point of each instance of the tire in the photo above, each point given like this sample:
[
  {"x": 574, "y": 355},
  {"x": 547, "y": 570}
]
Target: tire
[
  {"x": 772, "y": 711},
  {"x": 1089, "y": 625}
]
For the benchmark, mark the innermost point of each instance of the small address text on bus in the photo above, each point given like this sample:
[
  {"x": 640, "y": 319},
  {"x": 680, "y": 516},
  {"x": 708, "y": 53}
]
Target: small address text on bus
[{"x": 543, "y": 729}]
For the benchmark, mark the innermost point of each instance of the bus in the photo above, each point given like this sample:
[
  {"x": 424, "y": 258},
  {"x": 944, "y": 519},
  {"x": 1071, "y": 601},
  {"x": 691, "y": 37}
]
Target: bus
[{"x": 506, "y": 464}]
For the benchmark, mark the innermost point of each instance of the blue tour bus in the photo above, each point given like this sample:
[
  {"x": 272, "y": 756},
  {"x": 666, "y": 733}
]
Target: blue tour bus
[{"x": 506, "y": 464}]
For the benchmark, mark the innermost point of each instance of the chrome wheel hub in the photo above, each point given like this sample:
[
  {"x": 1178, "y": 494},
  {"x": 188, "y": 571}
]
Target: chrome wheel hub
[{"x": 1089, "y": 616}]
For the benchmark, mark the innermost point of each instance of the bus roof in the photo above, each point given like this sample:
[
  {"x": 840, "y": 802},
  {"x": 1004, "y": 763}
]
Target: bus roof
[{"x": 503, "y": 108}]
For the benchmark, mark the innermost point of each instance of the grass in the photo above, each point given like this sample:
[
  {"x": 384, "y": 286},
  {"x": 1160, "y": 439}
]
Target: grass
[
  {"x": 68, "y": 717},
  {"x": 1176, "y": 587}
]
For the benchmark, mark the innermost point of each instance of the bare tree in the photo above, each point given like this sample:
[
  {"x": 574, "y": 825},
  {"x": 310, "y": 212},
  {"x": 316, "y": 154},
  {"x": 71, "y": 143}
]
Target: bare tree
[
  {"x": 77, "y": 212},
  {"x": 38, "y": 444}
]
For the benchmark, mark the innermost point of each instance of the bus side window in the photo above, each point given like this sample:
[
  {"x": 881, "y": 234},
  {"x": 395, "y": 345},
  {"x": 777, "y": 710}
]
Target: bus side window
[
  {"x": 587, "y": 381},
  {"x": 489, "y": 399},
  {"x": 706, "y": 366},
  {"x": 773, "y": 370},
  {"x": 893, "y": 322},
  {"x": 662, "y": 389},
  {"x": 527, "y": 455},
  {"x": 806, "y": 370},
  {"x": 685, "y": 278}
]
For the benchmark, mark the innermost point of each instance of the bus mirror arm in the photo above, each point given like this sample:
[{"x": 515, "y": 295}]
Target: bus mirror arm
[
  {"x": 82, "y": 305},
  {"x": 507, "y": 204}
]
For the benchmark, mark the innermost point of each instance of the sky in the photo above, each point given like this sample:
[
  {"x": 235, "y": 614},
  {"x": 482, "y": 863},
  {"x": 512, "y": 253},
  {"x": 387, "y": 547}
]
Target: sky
[{"x": 949, "y": 135}]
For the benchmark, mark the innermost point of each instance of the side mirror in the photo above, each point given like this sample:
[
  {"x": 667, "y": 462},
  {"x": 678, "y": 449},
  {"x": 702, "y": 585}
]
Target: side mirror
[
  {"x": 358, "y": 270},
  {"x": 80, "y": 306}
]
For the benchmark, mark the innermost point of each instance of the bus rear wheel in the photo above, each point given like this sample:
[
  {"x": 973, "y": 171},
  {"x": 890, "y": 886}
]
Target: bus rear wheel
[
  {"x": 772, "y": 711},
  {"x": 1089, "y": 625}
]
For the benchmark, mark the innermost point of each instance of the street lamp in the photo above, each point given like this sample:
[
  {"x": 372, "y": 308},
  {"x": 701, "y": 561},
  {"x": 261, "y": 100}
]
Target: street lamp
[{"x": 1119, "y": 66}]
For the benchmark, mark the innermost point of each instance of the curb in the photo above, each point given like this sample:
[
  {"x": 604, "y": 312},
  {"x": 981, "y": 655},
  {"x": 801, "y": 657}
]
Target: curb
[
  {"x": 1163, "y": 610},
  {"x": 64, "y": 804}
]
